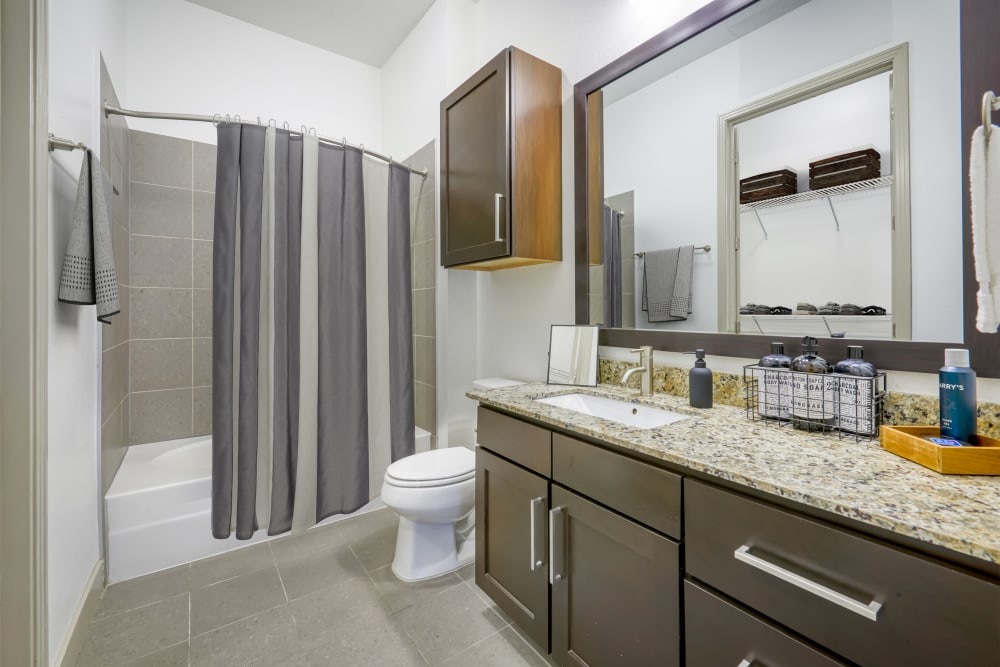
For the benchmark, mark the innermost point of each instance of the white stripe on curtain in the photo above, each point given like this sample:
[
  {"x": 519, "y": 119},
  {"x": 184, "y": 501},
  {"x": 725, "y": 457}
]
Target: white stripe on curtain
[
  {"x": 376, "y": 181},
  {"x": 304, "y": 511},
  {"x": 265, "y": 360}
]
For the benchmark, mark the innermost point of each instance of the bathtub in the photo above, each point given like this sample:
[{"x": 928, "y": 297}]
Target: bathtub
[{"x": 158, "y": 508}]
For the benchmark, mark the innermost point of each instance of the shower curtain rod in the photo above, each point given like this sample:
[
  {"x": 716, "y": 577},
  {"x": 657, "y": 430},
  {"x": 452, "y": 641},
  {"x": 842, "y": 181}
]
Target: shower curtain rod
[{"x": 112, "y": 109}]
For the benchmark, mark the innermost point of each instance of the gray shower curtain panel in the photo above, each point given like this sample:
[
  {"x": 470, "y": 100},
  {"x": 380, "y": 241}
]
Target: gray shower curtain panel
[
  {"x": 290, "y": 403},
  {"x": 612, "y": 251}
]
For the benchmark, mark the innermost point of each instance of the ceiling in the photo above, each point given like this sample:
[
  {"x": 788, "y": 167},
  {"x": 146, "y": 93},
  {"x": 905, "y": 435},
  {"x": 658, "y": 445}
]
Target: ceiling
[{"x": 364, "y": 30}]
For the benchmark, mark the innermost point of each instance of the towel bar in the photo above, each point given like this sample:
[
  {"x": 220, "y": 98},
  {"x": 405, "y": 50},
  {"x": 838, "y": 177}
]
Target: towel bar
[{"x": 703, "y": 248}]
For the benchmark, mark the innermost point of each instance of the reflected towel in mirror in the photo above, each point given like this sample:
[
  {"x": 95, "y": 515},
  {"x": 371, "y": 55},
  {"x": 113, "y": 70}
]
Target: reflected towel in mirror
[
  {"x": 984, "y": 186},
  {"x": 666, "y": 283}
]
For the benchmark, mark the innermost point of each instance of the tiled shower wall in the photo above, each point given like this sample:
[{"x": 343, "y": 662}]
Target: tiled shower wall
[
  {"x": 172, "y": 199},
  {"x": 423, "y": 240},
  {"x": 172, "y": 207},
  {"x": 114, "y": 155}
]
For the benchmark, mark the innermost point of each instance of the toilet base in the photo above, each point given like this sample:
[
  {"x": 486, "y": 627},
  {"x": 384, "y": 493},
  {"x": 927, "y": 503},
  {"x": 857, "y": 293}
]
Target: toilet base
[{"x": 428, "y": 550}]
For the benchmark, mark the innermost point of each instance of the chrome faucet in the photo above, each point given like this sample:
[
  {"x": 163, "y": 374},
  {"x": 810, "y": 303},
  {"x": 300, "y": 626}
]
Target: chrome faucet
[{"x": 645, "y": 369}]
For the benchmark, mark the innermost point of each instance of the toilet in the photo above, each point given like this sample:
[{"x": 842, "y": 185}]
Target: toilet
[{"x": 434, "y": 494}]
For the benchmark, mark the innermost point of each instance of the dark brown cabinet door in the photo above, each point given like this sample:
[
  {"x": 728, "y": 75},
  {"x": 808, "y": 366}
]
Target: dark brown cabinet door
[
  {"x": 615, "y": 588},
  {"x": 511, "y": 542},
  {"x": 475, "y": 187}
]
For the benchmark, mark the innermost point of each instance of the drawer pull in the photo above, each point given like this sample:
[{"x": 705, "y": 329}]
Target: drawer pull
[
  {"x": 869, "y": 611},
  {"x": 745, "y": 663},
  {"x": 557, "y": 537},
  {"x": 537, "y": 534}
]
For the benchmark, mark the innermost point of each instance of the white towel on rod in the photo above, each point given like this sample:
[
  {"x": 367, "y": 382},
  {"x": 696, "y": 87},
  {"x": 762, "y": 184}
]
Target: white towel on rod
[{"x": 984, "y": 186}]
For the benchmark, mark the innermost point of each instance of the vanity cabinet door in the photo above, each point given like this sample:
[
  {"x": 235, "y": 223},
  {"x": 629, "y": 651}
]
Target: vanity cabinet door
[
  {"x": 511, "y": 542},
  {"x": 615, "y": 587}
]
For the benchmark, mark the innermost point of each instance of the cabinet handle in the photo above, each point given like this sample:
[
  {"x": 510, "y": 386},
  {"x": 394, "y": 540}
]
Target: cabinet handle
[
  {"x": 745, "y": 663},
  {"x": 537, "y": 534},
  {"x": 496, "y": 216},
  {"x": 869, "y": 610},
  {"x": 557, "y": 537}
]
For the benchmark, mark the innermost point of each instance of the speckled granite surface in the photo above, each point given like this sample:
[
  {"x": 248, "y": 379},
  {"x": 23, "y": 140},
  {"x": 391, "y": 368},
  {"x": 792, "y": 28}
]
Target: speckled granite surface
[
  {"x": 900, "y": 409},
  {"x": 858, "y": 480}
]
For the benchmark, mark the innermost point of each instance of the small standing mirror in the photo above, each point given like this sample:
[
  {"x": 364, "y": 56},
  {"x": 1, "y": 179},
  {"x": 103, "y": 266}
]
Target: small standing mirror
[{"x": 573, "y": 355}]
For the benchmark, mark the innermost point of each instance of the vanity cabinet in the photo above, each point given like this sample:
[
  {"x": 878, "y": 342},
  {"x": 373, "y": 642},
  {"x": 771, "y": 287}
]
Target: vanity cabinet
[
  {"x": 550, "y": 524},
  {"x": 501, "y": 169}
]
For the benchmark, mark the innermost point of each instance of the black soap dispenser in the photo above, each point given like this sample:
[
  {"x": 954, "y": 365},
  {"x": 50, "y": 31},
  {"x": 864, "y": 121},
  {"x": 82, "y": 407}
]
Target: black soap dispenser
[{"x": 700, "y": 382}]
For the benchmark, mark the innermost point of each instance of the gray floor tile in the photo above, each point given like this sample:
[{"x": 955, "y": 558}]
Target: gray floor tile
[
  {"x": 230, "y": 564},
  {"x": 119, "y": 639},
  {"x": 134, "y": 593},
  {"x": 468, "y": 573},
  {"x": 175, "y": 656},
  {"x": 223, "y": 603},
  {"x": 341, "y": 611},
  {"x": 481, "y": 594},
  {"x": 378, "y": 642},
  {"x": 376, "y": 547},
  {"x": 313, "y": 570},
  {"x": 444, "y": 625},
  {"x": 268, "y": 638},
  {"x": 546, "y": 657},
  {"x": 291, "y": 547},
  {"x": 504, "y": 649},
  {"x": 398, "y": 595}
]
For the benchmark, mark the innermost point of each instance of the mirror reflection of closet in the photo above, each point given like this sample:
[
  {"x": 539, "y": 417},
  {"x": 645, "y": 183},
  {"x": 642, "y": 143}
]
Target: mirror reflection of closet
[{"x": 819, "y": 248}]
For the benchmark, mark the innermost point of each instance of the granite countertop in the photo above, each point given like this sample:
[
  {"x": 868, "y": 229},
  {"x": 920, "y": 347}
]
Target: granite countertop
[{"x": 858, "y": 480}]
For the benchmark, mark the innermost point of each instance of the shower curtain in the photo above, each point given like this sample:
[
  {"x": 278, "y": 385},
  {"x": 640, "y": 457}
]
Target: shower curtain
[
  {"x": 312, "y": 351},
  {"x": 612, "y": 251}
]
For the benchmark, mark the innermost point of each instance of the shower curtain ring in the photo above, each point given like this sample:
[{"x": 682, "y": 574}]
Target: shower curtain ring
[
  {"x": 237, "y": 118},
  {"x": 272, "y": 123},
  {"x": 216, "y": 119},
  {"x": 312, "y": 130},
  {"x": 285, "y": 125}
]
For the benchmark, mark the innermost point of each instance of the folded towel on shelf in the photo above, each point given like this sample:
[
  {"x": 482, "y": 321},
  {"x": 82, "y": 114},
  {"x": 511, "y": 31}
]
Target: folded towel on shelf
[
  {"x": 88, "y": 274},
  {"x": 829, "y": 308},
  {"x": 984, "y": 187},
  {"x": 666, "y": 284},
  {"x": 850, "y": 309},
  {"x": 780, "y": 310},
  {"x": 748, "y": 309},
  {"x": 805, "y": 309},
  {"x": 873, "y": 310}
]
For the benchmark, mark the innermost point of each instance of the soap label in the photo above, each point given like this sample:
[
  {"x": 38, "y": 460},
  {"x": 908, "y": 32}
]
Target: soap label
[
  {"x": 814, "y": 397},
  {"x": 856, "y": 407},
  {"x": 774, "y": 392}
]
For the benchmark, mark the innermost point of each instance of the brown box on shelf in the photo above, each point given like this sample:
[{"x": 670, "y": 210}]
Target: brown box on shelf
[
  {"x": 908, "y": 442},
  {"x": 845, "y": 168},
  {"x": 768, "y": 186}
]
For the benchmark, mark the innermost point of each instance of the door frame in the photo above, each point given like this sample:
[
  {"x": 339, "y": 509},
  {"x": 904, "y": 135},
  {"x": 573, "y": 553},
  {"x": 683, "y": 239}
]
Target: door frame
[{"x": 24, "y": 294}]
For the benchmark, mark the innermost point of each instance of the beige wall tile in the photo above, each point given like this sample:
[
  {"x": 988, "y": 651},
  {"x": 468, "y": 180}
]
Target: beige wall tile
[
  {"x": 202, "y": 313},
  {"x": 202, "y": 411},
  {"x": 423, "y": 312},
  {"x": 204, "y": 214},
  {"x": 161, "y": 364},
  {"x": 203, "y": 264},
  {"x": 160, "y": 313},
  {"x": 423, "y": 359},
  {"x": 160, "y": 262},
  {"x": 160, "y": 415},
  {"x": 202, "y": 362},
  {"x": 425, "y": 406},
  {"x": 158, "y": 159},
  {"x": 158, "y": 210},
  {"x": 204, "y": 166}
]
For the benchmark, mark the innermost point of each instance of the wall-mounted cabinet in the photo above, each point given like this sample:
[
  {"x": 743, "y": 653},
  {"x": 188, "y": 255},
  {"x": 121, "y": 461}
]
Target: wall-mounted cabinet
[{"x": 501, "y": 166}]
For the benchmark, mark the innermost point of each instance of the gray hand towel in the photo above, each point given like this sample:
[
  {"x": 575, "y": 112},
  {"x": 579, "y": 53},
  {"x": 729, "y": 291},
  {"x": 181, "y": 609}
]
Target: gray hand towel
[
  {"x": 666, "y": 284},
  {"x": 88, "y": 271}
]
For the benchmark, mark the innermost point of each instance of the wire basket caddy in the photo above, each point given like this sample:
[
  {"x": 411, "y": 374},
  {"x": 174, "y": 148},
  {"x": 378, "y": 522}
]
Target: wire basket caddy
[{"x": 852, "y": 406}]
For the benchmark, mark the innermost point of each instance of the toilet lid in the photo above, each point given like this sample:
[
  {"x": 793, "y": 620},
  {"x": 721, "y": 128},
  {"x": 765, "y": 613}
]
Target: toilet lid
[{"x": 433, "y": 468}]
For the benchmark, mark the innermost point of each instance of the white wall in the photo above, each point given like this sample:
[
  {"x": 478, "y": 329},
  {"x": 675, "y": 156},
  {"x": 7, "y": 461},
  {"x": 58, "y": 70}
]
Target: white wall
[
  {"x": 185, "y": 58},
  {"x": 648, "y": 127},
  {"x": 78, "y": 33}
]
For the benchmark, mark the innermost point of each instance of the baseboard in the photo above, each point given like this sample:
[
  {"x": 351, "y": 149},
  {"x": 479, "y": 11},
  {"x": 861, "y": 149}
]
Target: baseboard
[{"x": 82, "y": 616}]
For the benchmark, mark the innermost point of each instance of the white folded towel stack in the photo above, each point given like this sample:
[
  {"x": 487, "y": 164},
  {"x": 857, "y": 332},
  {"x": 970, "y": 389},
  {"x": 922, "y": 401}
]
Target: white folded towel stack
[{"x": 984, "y": 185}]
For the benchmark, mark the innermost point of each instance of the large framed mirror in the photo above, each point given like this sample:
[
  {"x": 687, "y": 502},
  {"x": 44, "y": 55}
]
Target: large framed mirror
[{"x": 742, "y": 88}]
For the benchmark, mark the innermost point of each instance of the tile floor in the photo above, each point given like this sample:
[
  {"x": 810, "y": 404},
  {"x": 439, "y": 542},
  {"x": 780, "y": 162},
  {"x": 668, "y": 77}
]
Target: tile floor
[{"x": 325, "y": 597}]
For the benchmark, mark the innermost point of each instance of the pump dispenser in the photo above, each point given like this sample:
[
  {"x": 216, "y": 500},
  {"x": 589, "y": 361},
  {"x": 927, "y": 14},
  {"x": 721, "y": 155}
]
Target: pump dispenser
[
  {"x": 774, "y": 398},
  {"x": 813, "y": 398},
  {"x": 700, "y": 381}
]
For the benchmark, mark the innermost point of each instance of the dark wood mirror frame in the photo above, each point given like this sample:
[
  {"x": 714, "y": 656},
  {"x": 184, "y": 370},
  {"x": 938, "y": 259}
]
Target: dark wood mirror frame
[{"x": 980, "y": 71}]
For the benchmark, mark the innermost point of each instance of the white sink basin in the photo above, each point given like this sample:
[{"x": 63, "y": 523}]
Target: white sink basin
[{"x": 623, "y": 412}]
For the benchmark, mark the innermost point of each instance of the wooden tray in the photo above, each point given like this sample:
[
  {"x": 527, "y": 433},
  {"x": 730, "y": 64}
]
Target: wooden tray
[{"x": 908, "y": 442}]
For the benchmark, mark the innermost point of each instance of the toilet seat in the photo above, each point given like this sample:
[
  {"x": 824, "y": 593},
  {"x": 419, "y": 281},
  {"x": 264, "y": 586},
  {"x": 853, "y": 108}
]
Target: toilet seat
[{"x": 438, "y": 467}]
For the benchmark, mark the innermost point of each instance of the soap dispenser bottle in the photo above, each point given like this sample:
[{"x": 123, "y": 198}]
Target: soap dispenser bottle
[
  {"x": 812, "y": 389},
  {"x": 700, "y": 382},
  {"x": 856, "y": 407},
  {"x": 774, "y": 395}
]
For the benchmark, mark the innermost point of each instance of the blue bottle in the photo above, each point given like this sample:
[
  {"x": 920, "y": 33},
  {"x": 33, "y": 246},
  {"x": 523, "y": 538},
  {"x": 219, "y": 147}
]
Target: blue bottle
[{"x": 957, "y": 393}]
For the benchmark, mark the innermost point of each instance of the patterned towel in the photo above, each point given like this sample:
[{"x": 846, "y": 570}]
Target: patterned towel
[
  {"x": 666, "y": 284},
  {"x": 88, "y": 271}
]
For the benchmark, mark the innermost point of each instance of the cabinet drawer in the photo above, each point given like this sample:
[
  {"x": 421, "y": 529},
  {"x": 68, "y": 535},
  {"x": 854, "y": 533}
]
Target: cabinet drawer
[
  {"x": 867, "y": 601},
  {"x": 716, "y": 632},
  {"x": 516, "y": 440},
  {"x": 642, "y": 492}
]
